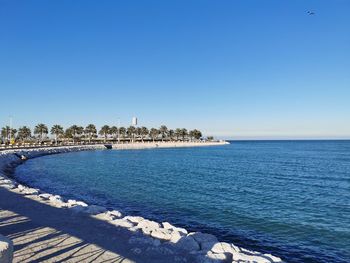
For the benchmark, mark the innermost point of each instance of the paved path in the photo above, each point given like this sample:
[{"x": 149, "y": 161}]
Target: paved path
[{"x": 42, "y": 233}]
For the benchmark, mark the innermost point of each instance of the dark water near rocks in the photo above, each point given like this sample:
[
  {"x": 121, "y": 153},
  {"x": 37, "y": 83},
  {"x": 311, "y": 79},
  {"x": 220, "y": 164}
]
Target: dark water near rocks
[{"x": 287, "y": 198}]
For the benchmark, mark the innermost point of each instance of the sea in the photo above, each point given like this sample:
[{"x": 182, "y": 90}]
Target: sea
[{"x": 290, "y": 199}]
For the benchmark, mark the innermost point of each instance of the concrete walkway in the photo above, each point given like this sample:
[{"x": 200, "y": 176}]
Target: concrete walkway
[{"x": 42, "y": 233}]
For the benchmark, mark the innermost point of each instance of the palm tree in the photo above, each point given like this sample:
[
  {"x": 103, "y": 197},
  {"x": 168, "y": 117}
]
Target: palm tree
[
  {"x": 183, "y": 134},
  {"x": 154, "y": 133},
  {"x": 122, "y": 132},
  {"x": 144, "y": 132},
  {"x": 114, "y": 132},
  {"x": 210, "y": 138},
  {"x": 90, "y": 131},
  {"x": 69, "y": 134},
  {"x": 197, "y": 134},
  {"x": 138, "y": 133},
  {"x": 24, "y": 133},
  {"x": 57, "y": 130},
  {"x": 13, "y": 132},
  {"x": 12, "y": 135},
  {"x": 131, "y": 132},
  {"x": 8, "y": 134},
  {"x": 163, "y": 131},
  {"x": 171, "y": 134},
  {"x": 74, "y": 131},
  {"x": 191, "y": 134},
  {"x": 41, "y": 129},
  {"x": 79, "y": 131},
  {"x": 177, "y": 133},
  {"x": 5, "y": 133},
  {"x": 105, "y": 130}
]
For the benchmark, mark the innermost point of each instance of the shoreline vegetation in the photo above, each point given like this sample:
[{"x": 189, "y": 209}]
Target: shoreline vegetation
[
  {"x": 76, "y": 134},
  {"x": 131, "y": 238}
]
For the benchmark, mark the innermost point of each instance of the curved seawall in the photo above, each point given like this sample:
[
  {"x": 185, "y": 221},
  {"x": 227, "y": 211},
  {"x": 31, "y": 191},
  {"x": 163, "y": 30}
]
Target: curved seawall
[{"x": 146, "y": 239}]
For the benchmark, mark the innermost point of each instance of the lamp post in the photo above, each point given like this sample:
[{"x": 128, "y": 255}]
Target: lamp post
[
  {"x": 134, "y": 123},
  {"x": 10, "y": 117},
  {"x": 118, "y": 130}
]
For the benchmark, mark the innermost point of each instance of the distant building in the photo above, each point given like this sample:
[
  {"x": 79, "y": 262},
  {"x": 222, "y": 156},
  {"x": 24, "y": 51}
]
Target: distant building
[{"x": 134, "y": 121}]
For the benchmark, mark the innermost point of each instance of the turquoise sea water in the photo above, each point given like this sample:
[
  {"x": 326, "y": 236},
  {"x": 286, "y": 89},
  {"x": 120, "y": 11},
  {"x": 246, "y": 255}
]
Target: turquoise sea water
[{"x": 287, "y": 198}]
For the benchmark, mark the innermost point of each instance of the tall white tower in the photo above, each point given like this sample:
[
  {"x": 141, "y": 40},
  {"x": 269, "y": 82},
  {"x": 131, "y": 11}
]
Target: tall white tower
[{"x": 134, "y": 121}]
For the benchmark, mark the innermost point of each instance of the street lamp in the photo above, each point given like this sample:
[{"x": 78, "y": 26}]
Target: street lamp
[
  {"x": 10, "y": 117},
  {"x": 118, "y": 130}
]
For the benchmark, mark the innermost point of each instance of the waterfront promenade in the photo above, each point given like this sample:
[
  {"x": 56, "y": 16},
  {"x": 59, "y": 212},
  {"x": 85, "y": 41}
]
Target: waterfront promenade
[{"x": 116, "y": 145}]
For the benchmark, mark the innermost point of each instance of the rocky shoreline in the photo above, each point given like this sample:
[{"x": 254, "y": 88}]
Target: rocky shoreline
[{"x": 146, "y": 236}]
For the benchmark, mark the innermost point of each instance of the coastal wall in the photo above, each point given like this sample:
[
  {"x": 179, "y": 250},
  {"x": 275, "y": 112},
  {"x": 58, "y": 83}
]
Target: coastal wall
[
  {"x": 146, "y": 145},
  {"x": 146, "y": 236}
]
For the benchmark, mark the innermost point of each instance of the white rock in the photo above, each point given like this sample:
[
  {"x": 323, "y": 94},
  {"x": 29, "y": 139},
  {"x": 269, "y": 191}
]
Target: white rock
[
  {"x": 148, "y": 226},
  {"x": 134, "y": 219},
  {"x": 30, "y": 191},
  {"x": 146, "y": 230},
  {"x": 235, "y": 248},
  {"x": 71, "y": 202},
  {"x": 122, "y": 223},
  {"x": 115, "y": 213},
  {"x": 45, "y": 196},
  {"x": 169, "y": 226},
  {"x": 58, "y": 203},
  {"x": 9, "y": 186},
  {"x": 81, "y": 203},
  {"x": 55, "y": 198},
  {"x": 161, "y": 233},
  {"x": 109, "y": 215},
  {"x": 222, "y": 247},
  {"x": 75, "y": 202},
  {"x": 7, "y": 181},
  {"x": 176, "y": 236},
  {"x": 218, "y": 257},
  {"x": 181, "y": 230},
  {"x": 21, "y": 187}
]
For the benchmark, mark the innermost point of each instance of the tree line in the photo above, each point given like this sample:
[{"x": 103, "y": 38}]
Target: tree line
[{"x": 90, "y": 133}]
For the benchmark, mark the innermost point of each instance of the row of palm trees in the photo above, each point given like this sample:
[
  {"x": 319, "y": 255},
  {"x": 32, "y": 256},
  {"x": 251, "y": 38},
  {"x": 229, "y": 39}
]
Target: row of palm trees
[{"x": 89, "y": 133}]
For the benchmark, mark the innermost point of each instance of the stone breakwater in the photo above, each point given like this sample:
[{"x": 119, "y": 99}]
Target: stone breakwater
[
  {"x": 148, "y": 237},
  {"x": 146, "y": 145}
]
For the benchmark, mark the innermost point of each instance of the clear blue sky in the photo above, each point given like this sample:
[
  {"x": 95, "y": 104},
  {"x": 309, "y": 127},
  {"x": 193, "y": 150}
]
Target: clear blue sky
[{"x": 236, "y": 69}]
